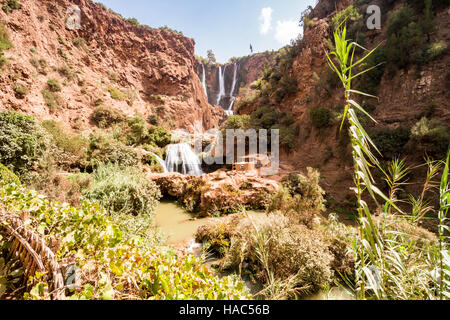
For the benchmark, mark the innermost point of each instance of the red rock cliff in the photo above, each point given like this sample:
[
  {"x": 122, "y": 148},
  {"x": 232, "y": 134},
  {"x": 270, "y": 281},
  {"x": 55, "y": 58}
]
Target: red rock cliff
[{"x": 153, "y": 69}]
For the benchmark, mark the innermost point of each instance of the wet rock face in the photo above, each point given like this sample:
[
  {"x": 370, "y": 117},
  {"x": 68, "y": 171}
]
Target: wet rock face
[
  {"x": 150, "y": 67},
  {"x": 217, "y": 193}
]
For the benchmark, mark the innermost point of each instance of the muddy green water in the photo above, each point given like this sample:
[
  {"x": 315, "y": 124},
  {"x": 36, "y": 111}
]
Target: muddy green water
[{"x": 176, "y": 223}]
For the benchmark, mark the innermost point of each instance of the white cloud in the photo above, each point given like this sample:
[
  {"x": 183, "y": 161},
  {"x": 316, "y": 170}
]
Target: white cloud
[
  {"x": 266, "y": 18},
  {"x": 286, "y": 31}
]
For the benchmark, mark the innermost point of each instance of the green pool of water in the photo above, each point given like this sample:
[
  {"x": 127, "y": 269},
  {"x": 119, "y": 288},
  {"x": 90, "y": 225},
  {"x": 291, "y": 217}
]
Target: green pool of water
[{"x": 176, "y": 223}]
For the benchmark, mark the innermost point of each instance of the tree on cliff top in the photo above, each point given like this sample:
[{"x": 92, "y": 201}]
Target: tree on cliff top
[{"x": 211, "y": 57}]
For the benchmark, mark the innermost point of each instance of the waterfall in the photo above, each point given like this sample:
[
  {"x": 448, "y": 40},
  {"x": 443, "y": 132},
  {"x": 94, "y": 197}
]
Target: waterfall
[
  {"x": 160, "y": 161},
  {"x": 230, "y": 110},
  {"x": 221, "y": 84},
  {"x": 204, "y": 82},
  {"x": 181, "y": 158},
  {"x": 233, "y": 87}
]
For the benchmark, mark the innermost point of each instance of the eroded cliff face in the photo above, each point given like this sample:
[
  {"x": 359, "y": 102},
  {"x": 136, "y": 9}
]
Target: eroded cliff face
[
  {"x": 403, "y": 99},
  {"x": 152, "y": 69}
]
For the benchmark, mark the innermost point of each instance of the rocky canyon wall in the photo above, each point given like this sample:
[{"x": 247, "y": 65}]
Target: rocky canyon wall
[{"x": 108, "y": 61}]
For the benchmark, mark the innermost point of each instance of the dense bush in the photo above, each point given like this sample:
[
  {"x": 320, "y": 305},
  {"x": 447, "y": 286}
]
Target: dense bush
[
  {"x": 23, "y": 142},
  {"x": 116, "y": 94},
  {"x": 431, "y": 137},
  {"x": 106, "y": 148},
  {"x": 139, "y": 133},
  {"x": 390, "y": 142},
  {"x": 236, "y": 122},
  {"x": 20, "y": 91},
  {"x": 7, "y": 176},
  {"x": 408, "y": 37},
  {"x": 301, "y": 198},
  {"x": 288, "y": 136},
  {"x": 66, "y": 72},
  {"x": 54, "y": 85},
  {"x": 264, "y": 117},
  {"x": 107, "y": 116},
  {"x": 159, "y": 136},
  {"x": 52, "y": 99},
  {"x": 40, "y": 65},
  {"x": 74, "y": 145},
  {"x": 124, "y": 269},
  {"x": 11, "y": 5},
  {"x": 123, "y": 190},
  {"x": 276, "y": 250},
  {"x": 320, "y": 117}
]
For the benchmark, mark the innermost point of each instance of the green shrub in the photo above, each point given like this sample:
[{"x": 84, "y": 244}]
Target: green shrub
[
  {"x": 20, "y": 91},
  {"x": 153, "y": 119},
  {"x": 91, "y": 237},
  {"x": 5, "y": 42},
  {"x": 70, "y": 143},
  {"x": 53, "y": 85},
  {"x": 287, "y": 87},
  {"x": 11, "y": 5},
  {"x": 320, "y": 117},
  {"x": 123, "y": 190},
  {"x": 138, "y": 131},
  {"x": 52, "y": 99},
  {"x": 159, "y": 136},
  {"x": 7, "y": 176},
  {"x": 304, "y": 198},
  {"x": 66, "y": 72},
  {"x": 264, "y": 117},
  {"x": 288, "y": 135},
  {"x": 116, "y": 94},
  {"x": 23, "y": 142},
  {"x": 107, "y": 116},
  {"x": 80, "y": 43},
  {"x": 134, "y": 21},
  {"x": 106, "y": 148},
  {"x": 408, "y": 36},
  {"x": 236, "y": 122},
  {"x": 276, "y": 250},
  {"x": 431, "y": 137},
  {"x": 436, "y": 50},
  {"x": 390, "y": 142},
  {"x": 40, "y": 65}
]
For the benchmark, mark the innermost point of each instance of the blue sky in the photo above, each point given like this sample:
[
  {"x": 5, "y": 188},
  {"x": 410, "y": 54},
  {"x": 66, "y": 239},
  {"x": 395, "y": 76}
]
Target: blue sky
[{"x": 227, "y": 27}]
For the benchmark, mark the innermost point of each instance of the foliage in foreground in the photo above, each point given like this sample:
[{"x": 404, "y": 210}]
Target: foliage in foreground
[
  {"x": 123, "y": 190},
  {"x": 111, "y": 267},
  {"x": 390, "y": 264},
  {"x": 291, "y": 250}
]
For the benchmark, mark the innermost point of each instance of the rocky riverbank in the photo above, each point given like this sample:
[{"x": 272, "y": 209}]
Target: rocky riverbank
[{"x": 218, "y": 193}]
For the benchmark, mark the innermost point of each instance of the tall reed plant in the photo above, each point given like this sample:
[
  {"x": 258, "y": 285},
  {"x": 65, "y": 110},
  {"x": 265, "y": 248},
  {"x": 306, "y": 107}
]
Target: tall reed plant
[{"x": 394, "y": 258}]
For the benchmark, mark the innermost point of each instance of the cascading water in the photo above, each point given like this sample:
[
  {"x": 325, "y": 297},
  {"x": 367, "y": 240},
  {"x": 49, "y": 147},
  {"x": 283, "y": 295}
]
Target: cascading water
[
  {"x": 181, "y": 158},
  {"x": 204, "y": 82},
  {"x": 160, "y": 161},
  {"x": 221, "y": 84},
  {"x": 233, "y": 87}
]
